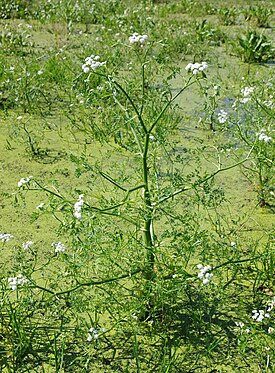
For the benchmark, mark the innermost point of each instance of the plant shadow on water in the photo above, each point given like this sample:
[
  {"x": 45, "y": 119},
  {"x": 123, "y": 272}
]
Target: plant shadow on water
[{"x": 48, "y": 156}]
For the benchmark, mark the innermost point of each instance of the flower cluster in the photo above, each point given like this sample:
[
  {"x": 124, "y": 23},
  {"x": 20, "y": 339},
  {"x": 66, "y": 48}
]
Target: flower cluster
[
  {"x": 59, "y": 247},
  {"x": 262, "y": 136},
  {"x": 195, "y": 68},
  {"x": 14, "y": 282},
  {"x": 260, "y": 315},
  {"x": 24, "y": 181},
  {"x": 94, "y": 334},
  {"x": 27, "y": 245},
  {"x": 246, "y": 92},
  {"x": 136, "y": 38},
  {"x": 5, "y": 237},
  {"x": 205, "y": 275},
  {"x": 92, "y": 63},
  {"x": 271, "y": 305},
  {"x": 241, "y": 326},
  {"x": 222, "y": 116},
  {"x": 78, "y": 206}
]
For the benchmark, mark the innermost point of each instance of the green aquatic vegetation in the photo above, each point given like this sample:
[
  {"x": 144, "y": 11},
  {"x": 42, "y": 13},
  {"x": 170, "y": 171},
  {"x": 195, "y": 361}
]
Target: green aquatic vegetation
[
  {"x": 228, "y": 15},
  {"x": 261, "y": 14},
  {"x": 16, "y": 41},
  {"x": 14, "y": 9},
  {"x": 207, "y": 32},
  {"x": 255, "y": 47}
]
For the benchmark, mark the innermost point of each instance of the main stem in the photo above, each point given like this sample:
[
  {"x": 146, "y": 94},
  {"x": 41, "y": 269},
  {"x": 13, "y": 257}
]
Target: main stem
[{"x": 147, "y": 228}]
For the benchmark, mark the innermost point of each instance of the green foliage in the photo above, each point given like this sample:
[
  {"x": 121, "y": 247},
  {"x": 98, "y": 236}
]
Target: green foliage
[
  {"x": 255, "y": 47},
  {"x": 14, "y": 8},
  {"x": 261, "y": 14},
  {"x": 207, "y": 32},
  {"x": 228, "y": 15},
  {"x": 14, "y": 41}
]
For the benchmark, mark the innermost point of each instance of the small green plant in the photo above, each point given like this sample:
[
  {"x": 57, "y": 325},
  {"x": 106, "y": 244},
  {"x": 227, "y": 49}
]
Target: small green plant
[
  {"x": 228, "y": 15},
  {"x": 16, "y": 41},
  {"x": 209, "y": 33},
  {"x": 255, "y": 47},
  {"x": 261, "y": 15}
]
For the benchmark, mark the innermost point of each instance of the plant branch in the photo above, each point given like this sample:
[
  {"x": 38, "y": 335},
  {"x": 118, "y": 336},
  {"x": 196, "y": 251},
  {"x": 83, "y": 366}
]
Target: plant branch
[
  {"x": 112, "y": 181},
  {"x": 131, "y": 102},
  {"x": 199, "y": 182},
  {"x": 89, "y": 283},
  {"x": 188, "y": 84}
]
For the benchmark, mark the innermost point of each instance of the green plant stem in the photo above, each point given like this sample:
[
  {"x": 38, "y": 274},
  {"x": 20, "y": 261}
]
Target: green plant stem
[
  {"x": 237, "y": 262},
  {"x": 147, "y": 228},
  {"x": 89, "y": 283},
  {"x": 143, "y": 87},
  {"x": 261, "y": 183}
]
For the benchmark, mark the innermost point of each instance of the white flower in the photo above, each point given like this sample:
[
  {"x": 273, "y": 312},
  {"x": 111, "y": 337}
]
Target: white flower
[
  {"x": 270, "y": 305},
  {"x": 92, "y": 63},
  {"x": 195, "y": 68},
  {"x": 5, "y": 237},
  {"x": 260, "y": 315},
  {"x": 136, "y": 38},
  {"x": 222, "y": 116},
  {"x": 26, "y": 245},
  {"x": 24, "y": 181},
  {"x": 268, "y": 103},
  {"x": 205, "y": 275},
  {"x": 94, "y": 334},
  {"x": 59, "y": 247},
  {"x": 262, "y": 136},
  {"x": 78, "y": 206},
  {"x": 19, "y": 118},
  {"x": 14, "y": 282},
  {"x": 246, "y": 92},
  {"x": 40, "y": 206},
  {"x": 239, "y": 324},
  {"x": 39, "y": 72},
  {"x": 245, "y": 100},
  {"x": 85, "y": 68}
]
